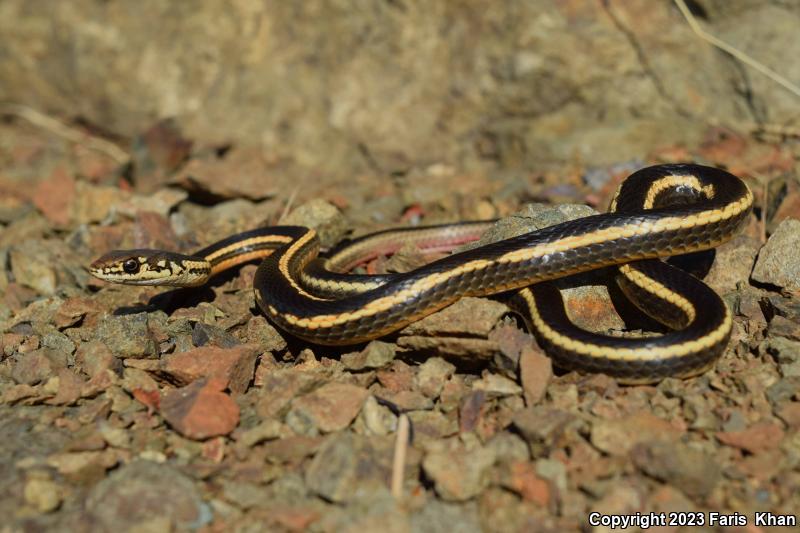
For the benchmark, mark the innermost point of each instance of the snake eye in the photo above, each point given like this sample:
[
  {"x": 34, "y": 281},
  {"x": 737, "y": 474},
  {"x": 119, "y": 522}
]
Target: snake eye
[{"x": 131, "y": 266}]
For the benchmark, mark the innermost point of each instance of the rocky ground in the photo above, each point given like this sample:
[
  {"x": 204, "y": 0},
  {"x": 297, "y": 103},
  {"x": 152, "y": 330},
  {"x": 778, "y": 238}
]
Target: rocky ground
[{"x": 145, "y": 409}]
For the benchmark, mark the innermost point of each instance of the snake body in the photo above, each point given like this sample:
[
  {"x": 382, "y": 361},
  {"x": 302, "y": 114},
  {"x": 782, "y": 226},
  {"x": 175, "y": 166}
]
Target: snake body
[{"x": 658, "y": 211}]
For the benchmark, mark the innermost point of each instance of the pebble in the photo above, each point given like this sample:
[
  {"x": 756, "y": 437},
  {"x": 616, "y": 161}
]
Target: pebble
[
  {"x": 459, "y": 474},
  {"x": 321, "y": 216},
  {"x": 376, "y": 354},
  {"x": 282, "y": 386},
  {"x": 542, "y": 427},
  {"x": 260, "y": 332},
  {"x": 41, "y": 492},
  {"x": 54, "y": 197},
  {"x": 432, "y": 375},
  {"x": 432, "y": 425},
  {"x": 469, "y": 317},
  {"x": 535, "y": 373},
  {"x": 496, "y": 386},
  {"x": 440, "y": 517},
  {"x": 331, "y": 407},
  {"x": 760, "y": 436},
  {"x": 779, "y": 260},
  {"x": 378, "y": 419},
  {"x": 266, "y": 430},
  {"x": 733, "y": 262},
  {"x": 200, "y": 410},
  {"x": 33, "y": 265},
  {"x": 243, "y": 172},
  {"x": 692, "y": 471},
  {"x": 127, "y": 336},
  {"x": 94, "y": 357},
  {"x": 617, "y": 437},
  {"x": 348, "y": 467},
  {"x": 37, "y": 366},
  {"x": 521, "y": 477},
  {"x": 235, "y": 366},
  {"x": 144, "y": 492}
]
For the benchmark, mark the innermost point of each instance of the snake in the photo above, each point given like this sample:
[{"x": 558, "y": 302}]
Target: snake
[{"x": 657, "y": 212}]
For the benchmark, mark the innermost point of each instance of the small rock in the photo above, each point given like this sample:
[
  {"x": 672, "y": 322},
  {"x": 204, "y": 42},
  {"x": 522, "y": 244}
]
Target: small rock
[
  {"x": 405, "y": 400},
  {"x": 438, "y": 517},
  {"x": 332, "y": 407},
  {"x": 260, "y": 332},
  {"x": 432, "y": 426},
  {"x": 760, "y": 436},
  {"x": 535, "y": 372},
  {"x": 143, "y": 491},
  {"x": 617, "y": 437},
  {"x": 783, "y": 327},
  {"x": 34, "y": 266},
  {"x": 459, "y": 475},
  {"x": 54, "y": 196},
  {"x": 463, "y": 348},
  {"x": 282, "y": 386},
  {"x": 70, "y": 387},
  {"x": 432, "y": 375},
  {"x": 75, "y": 310},
  {"x": 470, "y": 317},
  {"x": 378, "y": 419},
  {"x": 375, "y": 355},
  {"x": 266, "y": 430},
  {"x": 348, "y": 467},
  {"x": 692, "y": 471},
  {"x": 790, "y": 413},
  {"x": 243, "y": 172},
  {"x": 36, "y": 367},
  {"x": 543, "y": 426},
  {"x": 521, "y": 477},
  {"x": 399, "y": 376},
  {"x": 127, "y": 336},
  {"x": 321, "y": 216},
  {"x": 733, "y": 262},
  {"x": 472, "y": 407},
  {"x": 234, "y": 366},
  {"x": 41, "y": 492},
  {"x": 778, "y": 261},
  {"x": 496, "y": 386},
  {"x": 201, "y": 410},
  {"x": 94, "y": 357}
]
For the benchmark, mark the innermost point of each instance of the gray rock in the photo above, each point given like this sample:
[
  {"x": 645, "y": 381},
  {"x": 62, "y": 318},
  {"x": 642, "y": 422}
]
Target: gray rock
[
  {"x": 143, "y": 492},
  {"x": 348, "y": 467},
  {"x": 459, "y": 475},
  {"x": 779, "y": 260},
  {"x": 375, "y": 355},
  {"x": 127, "y": 336}
]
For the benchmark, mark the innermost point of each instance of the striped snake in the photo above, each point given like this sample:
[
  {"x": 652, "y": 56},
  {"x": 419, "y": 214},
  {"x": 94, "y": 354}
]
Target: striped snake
[{"x": 658, "y": 211}]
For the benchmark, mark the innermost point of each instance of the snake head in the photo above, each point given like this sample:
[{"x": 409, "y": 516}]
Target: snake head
[{"x": 151, "y": 267}]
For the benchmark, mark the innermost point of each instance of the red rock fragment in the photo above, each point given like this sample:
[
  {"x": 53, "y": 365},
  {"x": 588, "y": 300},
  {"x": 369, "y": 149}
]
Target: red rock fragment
[
  {"x": 200, "y": 411},
  {"x": 535, "y": 372},
  {"x": 73, "y": 310},
  {"x": 331, "y": 407},
  {"x": 149, "y": 398},
  {"x": 760, "y": 436},
  {"x": 53, "y": 197},
  {"x": 235, "y": 366},
  {"x": 471, "y": 410},
  {"x": 790, "y": 413},
  {"x": 526, "y": 483},
  {"x": 70, "y": 386}
]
